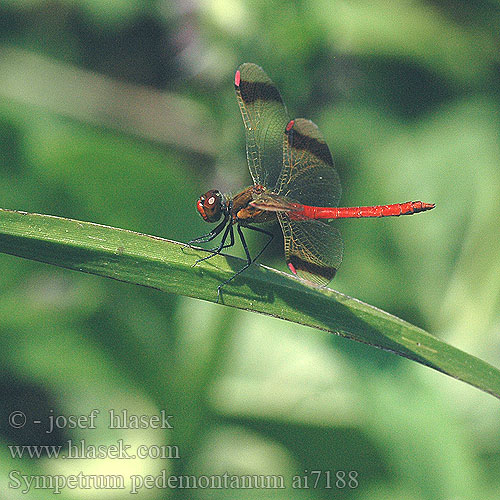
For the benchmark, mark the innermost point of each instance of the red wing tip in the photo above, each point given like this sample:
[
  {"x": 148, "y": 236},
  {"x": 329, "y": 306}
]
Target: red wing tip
[
  {"x": 290, "y": 125},
  {"x": 292, "y": 268},
  {"x": 237, "y": 78}
]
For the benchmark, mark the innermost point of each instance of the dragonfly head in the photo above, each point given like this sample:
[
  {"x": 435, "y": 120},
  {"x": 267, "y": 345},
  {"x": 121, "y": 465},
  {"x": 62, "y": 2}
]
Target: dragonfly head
[{"x": 211, "y": 205}]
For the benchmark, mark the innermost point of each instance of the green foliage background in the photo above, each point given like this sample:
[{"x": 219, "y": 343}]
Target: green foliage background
[{"x": 123, "y": 113}]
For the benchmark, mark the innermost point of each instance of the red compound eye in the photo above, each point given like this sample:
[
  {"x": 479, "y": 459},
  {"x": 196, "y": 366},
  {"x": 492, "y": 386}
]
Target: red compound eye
[{"x": 209, "y": 206}]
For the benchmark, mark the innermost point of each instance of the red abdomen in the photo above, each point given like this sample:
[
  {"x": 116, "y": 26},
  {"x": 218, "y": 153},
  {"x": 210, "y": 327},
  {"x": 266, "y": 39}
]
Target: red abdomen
[{"x": 408, "y": 208}]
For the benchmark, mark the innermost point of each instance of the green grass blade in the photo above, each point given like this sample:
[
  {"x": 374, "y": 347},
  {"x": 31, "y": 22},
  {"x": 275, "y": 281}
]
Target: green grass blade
[{"x": 168, "y": 266}]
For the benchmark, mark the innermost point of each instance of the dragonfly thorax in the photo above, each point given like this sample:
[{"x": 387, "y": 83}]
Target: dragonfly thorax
[{"x": 211, "y": 205}]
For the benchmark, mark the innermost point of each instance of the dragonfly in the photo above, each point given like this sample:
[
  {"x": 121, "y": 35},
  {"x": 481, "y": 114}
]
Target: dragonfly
[{"x": 294, "y": 182}]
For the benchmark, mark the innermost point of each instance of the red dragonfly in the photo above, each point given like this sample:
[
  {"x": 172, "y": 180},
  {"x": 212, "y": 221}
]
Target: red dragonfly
[{"x": 294, "y": 181}]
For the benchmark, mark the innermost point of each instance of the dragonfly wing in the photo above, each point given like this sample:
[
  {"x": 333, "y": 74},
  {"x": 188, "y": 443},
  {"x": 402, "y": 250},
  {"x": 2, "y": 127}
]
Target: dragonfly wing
[
  {"x": 313, "y": 248},
  {"x": 308, "y": 175},
  {"x": 265, "y": 118},
  {"x": 272, "y": 202}
]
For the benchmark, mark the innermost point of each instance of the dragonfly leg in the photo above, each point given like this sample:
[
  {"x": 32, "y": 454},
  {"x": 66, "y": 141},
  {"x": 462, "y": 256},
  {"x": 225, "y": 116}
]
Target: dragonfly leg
[
  {"x": 247, "y": 252},
  {"x": 267, "y": 233},
  {"x": 212, "y": 234},
  {"x": 218, "y": 250},
  {"x": 222, "y": 245}
]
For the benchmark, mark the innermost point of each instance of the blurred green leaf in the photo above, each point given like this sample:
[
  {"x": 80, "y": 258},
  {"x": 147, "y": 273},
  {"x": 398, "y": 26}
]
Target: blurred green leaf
[
  {"x": 26, "y": 77},
  {"x": 165, "y": 265},
  {"x": 416, "y": 30}
]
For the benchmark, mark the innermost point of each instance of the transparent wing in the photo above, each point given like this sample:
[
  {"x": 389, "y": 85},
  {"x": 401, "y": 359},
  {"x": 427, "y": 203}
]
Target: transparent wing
[
  {"x": 265, "y": 119},
  {"x": 313, "y": 249},
  {"x": 308, "y": 175}
]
